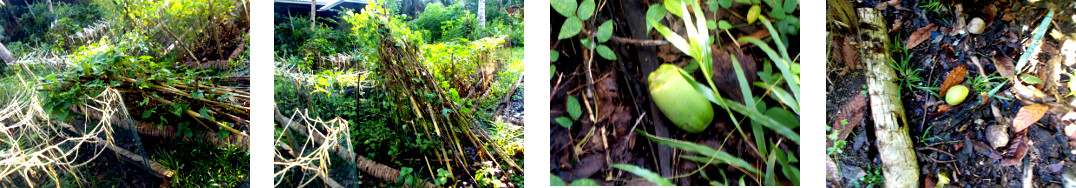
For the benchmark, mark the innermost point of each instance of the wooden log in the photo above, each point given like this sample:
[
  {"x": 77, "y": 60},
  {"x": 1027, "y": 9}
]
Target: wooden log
[
  {"x": 381, "y": 171},
  {"x": 899, "y": 163},
  {"x": 168, "y": 132}
]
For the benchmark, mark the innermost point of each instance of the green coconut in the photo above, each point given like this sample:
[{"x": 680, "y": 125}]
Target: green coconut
[{"x": 678, "y": 99}]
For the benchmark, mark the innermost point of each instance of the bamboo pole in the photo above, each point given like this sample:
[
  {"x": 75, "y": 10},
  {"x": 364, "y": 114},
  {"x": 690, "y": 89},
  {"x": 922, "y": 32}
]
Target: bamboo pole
[{"x": 899, "y": 164}]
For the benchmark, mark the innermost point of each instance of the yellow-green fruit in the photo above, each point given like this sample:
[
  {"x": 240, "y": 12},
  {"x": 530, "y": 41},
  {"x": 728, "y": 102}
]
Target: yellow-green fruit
[
  {"x": 678, "y": 99},
  {"x": 956, "y": 94},
  {"x": 752, "y": 14}
]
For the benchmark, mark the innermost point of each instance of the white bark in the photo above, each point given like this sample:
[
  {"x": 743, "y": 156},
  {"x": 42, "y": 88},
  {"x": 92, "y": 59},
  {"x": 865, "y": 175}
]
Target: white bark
[
  {"x": 313, "y": 16},
  {"x": 6, "y": 55},
  {"x": 900, "y": 166},
  {"x": 481, "y": 13}
]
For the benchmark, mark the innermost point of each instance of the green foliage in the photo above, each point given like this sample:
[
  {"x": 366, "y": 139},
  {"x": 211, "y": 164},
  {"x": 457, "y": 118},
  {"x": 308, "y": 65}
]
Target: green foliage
[
  {"x": 838, "y": 145},
  {"x": 432, "y": 19},
  {"x": 442, "y": 177},
  {"x": 462, "y": 27},
  {"x": 872, "y": 179},
  {"x": 485, "y": 177},
  {"x": 710, "y": 155},
  {"x": 408, "y": 178},
  {"x": 370, "y": 17},
  {"x": 441, "y": 23},
  {"x": 909, "y": 75},
  {"x": 987, "y": 84},
  {"x": 506, "y": 136},
  {"x": 555, "y": 180},
  {"x": 574, "y": 107},
  {"x": 931, "y": 5},
  {"x": 201, "y": 165},
  {"x": 204, "y": 28},
  {"x": 295, "y": 37},
  {"x": 60, "y": 26},
  {"x": 574, "y": 24}
]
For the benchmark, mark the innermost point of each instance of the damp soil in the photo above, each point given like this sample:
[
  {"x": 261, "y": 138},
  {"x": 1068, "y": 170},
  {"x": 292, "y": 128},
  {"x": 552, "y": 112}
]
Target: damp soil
[{"x": 955, "y": 143}]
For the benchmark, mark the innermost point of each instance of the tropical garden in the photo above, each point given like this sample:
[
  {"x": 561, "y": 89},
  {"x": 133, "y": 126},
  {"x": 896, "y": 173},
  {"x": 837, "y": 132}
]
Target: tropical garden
[
  {"x": 124, "y": 93},
  {"x": 400, "y": 94}
]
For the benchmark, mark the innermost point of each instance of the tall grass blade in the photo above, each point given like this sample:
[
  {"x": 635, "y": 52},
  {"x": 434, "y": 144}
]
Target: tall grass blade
[
  {"x": 642, "y": 172},
  {"x": 1034, "y": 46},
  {"x": 701, "y": 150}
]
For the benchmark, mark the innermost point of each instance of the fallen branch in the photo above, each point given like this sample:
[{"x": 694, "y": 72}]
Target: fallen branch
[
  {"x": 381, "y": 171},
  {"x": 899, "y": 163}
]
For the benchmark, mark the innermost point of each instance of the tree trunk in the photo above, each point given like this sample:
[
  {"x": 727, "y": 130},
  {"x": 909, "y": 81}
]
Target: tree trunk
[
  {"x": 6, "y": 55},
  {"x": 481, "y": 13},
  {"x": 313, "y": 15},
  {"x": 899, "y": 163}
]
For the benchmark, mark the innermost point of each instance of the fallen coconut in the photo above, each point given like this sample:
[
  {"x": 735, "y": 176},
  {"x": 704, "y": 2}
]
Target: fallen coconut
[{"x": 673, "y": 92}]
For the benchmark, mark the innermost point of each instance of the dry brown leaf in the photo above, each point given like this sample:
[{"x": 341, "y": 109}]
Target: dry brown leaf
[
  {"x": 984, "y": 149},
  {"x": 941, "y": 109},
  {"x": 851, "y": 56},
  {"x": 956, "y": 76},
  {"x": 853, "y": 113},
  {"x": 989, "y": 12},
  {"x": 760, "y": 34},
  {"x": 1027, "y": 116},
  {"x": 833, "y": 173},
  {"x": 1017, "y": 150},
  {"x": 960, "y": 24},
  {"x": 920, "y": 35},
  {"x": 930, "y": 181},
  {"x": 1004, "y": 66},
  {"x": 1025, "y": 92},
  {"x": 896, "y": 25}
]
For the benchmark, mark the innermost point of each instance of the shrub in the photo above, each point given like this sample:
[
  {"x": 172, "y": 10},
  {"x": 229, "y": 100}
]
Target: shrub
[
  {"x": 434, "y": 18},
  {"x": 295, "y": 37}
]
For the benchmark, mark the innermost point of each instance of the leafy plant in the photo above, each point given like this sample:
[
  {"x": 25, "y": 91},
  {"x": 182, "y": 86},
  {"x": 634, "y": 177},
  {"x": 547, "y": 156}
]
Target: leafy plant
[
  {"x": 577, "y": 15},
  {"x": 873, "y": 178},
  {"x": 931, "y": 5},
  {"x": 838, "y": 145},
  {"x": 909, "y": 75},
  {"x": 407, "y": 178},
  {"x": 442, "y": 177},
  {"x": 574, "y": 110}
]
